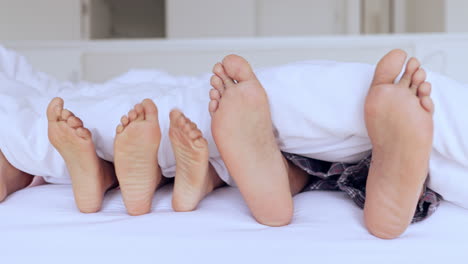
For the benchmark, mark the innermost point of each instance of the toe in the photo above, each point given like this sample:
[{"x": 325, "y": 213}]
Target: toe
[
  {"x": 187, "y": 127},
  {"x": 194, "y": 134},
  {"x": 217, "y": 84},
  {"x": 54, "y": 110},
  {"x": 221, "y": 73},
  {"x": 427, "y": 104},
  {"x": 411, "y": 67},
  {"x": 150, "y": 109},
  {"x": 174, "y": 116},
  {"x": 132, "y": 115},
  {"x": 83, "y": 133},
  {"x": 140, "y": 115},
  {"x": 418, "y": 78},
  {"x": 74, "y": 122},
  {"x": 66, "y": 114},
  {"x": 238, "y": 68},
  {"x": 389, "y": 67},
  {"x": 124, "y": 121},
  {"x": 180, "y": 121},
  {"x": 119, "y": 129},
  {"x": 192, "y": 124},
  {"x": 215, "y": 94},
  {"x": 139, "y": 109},
  {"x": 213, "y": 106},
  {"x": 424, "y": 89}
]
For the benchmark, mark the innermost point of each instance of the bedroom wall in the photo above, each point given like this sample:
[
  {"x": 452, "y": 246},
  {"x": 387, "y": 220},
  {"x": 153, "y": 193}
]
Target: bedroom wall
[{"x": 124, "y": 19}]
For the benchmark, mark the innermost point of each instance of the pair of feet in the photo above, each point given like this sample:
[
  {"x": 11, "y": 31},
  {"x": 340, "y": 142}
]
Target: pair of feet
[
  {"x": 398, "y": 119},
  {"x": 399, "y": 123},
  {"x": 135, "y": 166}
]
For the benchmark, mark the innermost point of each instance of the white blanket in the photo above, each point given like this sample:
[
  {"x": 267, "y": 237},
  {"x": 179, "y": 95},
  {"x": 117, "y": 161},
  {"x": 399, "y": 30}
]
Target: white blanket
[{"x": 317, "y": 110}]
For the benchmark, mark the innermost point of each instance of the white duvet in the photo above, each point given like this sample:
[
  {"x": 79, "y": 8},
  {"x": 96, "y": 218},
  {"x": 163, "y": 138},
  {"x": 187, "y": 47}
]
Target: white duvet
[{"x": 317, "y": 110}]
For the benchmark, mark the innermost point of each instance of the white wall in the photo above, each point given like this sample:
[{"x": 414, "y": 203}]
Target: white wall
[
  {"x": 36, "y": 20},
  {"x": 456, "y": 16}
]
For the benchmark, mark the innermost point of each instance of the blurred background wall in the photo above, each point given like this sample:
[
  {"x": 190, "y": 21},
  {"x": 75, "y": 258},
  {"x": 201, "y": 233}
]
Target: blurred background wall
[{"x": 124, "y": 19}]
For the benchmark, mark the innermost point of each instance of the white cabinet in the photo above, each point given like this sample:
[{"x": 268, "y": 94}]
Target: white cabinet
[
  {"x": 227, "y": 18},
  {"x": 36, "y": 20},
  {"x": 210, "y": 18},
  {"x": 307, "y": 17},
  {"x": 430, "y": 16}
]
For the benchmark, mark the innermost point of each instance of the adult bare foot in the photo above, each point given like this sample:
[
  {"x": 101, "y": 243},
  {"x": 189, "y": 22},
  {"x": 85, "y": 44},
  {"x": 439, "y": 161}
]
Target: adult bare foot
[
  {"x": 136, "y": 157},
  {"x": 399, "y": 123},
  {"x": 195, "y": 177},
  {"x": 243, "y": 132},
  {"x": 91, "y": 176},
  {"x": 11, "y": 179}
]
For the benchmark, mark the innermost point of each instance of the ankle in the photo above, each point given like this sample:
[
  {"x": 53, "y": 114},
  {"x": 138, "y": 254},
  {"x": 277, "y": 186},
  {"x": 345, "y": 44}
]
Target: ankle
[{"x": 214, "y": 180}]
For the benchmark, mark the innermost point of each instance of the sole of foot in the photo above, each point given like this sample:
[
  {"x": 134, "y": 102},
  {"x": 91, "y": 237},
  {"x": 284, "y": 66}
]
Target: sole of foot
[
  {"x": 91, "y": 176},
  {"x": 195, "y": 177},
  {"x": 136, "y": 157},
  {"x": 243, "y": 132},
  {"x": 400, "y": 126}
]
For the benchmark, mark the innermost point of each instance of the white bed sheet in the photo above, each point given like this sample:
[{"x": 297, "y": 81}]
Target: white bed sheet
[{"x": 42, "y": 225}]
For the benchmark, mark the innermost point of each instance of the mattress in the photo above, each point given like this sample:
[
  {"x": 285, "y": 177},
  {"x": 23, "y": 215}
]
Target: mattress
[{"x": 42, "y": 225}]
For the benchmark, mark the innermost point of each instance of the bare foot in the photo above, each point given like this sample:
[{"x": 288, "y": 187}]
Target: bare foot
[
  {"x": 399, "y": 123},
  {"x": 195, "y": 177},
  {"x": 11, "y": 179},
  {"x": 91, "y": 176},
  {"x": 136, "y": 157},
  {"x": 243, "y": 132}
]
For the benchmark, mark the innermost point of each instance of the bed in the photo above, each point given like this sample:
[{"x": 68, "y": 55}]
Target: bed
[{"x": 42, "y": 225}]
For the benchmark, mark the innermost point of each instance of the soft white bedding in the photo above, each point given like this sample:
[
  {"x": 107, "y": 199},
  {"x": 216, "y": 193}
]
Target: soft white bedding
[{"x": 42, "y": 225}]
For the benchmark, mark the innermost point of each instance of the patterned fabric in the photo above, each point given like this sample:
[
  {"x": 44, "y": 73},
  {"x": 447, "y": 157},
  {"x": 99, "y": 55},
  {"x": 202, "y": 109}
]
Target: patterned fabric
[{"x": 351, "y": 179}]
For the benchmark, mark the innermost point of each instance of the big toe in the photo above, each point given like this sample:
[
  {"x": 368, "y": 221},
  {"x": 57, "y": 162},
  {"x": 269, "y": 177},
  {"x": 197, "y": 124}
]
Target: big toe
[
  {"x": 389, "y": 67},
  {"x": 150, "y": 109},
  {"x": 54, "y": 110},
  {"x": 175, "y": 115},
  {"x": 238, "y": 68}
]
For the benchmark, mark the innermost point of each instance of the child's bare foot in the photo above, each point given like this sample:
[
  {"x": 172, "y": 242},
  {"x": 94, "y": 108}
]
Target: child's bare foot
[
  {"x": 136, "y": 157},
  {"x": 243, "y": 132},
  {"x": 11, "y": 179},
  {"x": 195, "y": 177},
  {"x": 91, "y": 176},
  {"x": 399, "y": 123}
]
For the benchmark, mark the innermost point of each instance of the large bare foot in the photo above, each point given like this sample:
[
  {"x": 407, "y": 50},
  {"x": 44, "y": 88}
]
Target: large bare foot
[
  {"x": 399, "y": 123},
  {"x": 91, "y": 176},
  {"x": 195, "y": 177},
  {"x": 136, "y": 157},
  {"x": 11, "y": 179},
  {"x": 243, "y": 132}
]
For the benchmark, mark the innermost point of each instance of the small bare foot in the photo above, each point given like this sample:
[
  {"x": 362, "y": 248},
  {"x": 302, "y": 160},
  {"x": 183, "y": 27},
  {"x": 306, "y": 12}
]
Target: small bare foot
[
  {"x": 399, "y": 123},
  {"x": 195, "y": 177},
  {"x": 136, "y": 157},
  {"x": 243, "y": 132},
  {"x": 11, "y": 179},
  {"x": 91, "y": 176}
]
